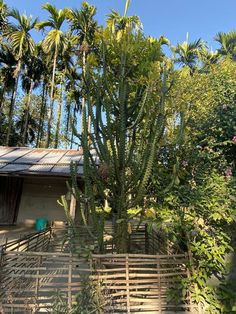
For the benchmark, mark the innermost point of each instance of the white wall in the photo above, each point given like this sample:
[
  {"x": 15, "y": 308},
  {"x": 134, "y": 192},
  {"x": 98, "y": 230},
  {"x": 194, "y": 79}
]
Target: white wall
[{"x": 39, "y": 199}]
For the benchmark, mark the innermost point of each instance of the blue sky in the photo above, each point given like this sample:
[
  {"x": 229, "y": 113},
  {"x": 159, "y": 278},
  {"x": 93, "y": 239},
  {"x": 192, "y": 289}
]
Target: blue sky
[{"x": 172, "y": 18}]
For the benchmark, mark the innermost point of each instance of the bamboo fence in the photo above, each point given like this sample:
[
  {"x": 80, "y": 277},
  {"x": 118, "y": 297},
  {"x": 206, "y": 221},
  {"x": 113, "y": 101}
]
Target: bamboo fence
[
  {"x": 131, "y": 283},
  {"x": 37, "y": 241},
  {"x": 32, "y": 281}
]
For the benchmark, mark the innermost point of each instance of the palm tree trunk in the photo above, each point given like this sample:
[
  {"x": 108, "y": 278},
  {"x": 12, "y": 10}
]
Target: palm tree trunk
[
  {"x": 42, "y": 113},
  {"x": 11, "y": 109},
  {"x": 68, "y": 106},
  {"x": 24, "y": 136},
  {"x": 59, "y": 114},
  {"x": 50, "y": 115}
]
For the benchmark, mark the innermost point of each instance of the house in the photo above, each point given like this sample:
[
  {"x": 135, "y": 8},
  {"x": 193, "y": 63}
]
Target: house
[{"x": 32, "y": 180}]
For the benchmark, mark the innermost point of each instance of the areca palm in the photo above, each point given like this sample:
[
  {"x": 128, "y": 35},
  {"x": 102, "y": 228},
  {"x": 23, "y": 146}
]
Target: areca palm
[
  {"x": 227, "y": 43},
  {"x": 118, "y": 23},
  {"x": 52, "y": 44},
  {"x": 82, "y": 23},
  {"x": 30, "y": 80},
  {"x": 188, "y": 53},
  {"x": 65, "y": 68},
  {"x": 84, "y": 26},
  {"x": 45, "y": 81},
  {"x": 7, "y": 83},
  {"x": 72, "y": 100},
  {"x": 7, "y": 65},
  {"x": 22, "y": 44},
  {"x": 20, "y": 37},
  {"x": 208, "y": 58},
  {"x": 123, "y": 24}
]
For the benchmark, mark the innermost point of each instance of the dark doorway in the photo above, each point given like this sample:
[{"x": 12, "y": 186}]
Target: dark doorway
[{"x": 10, "y": 196}]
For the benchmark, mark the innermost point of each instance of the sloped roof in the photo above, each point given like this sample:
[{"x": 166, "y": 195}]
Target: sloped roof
[{"x": 39, "y": 161}]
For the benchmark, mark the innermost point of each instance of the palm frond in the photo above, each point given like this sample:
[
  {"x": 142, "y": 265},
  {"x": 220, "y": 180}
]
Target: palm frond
[
  {"x": 43, "y": 24},
  {"x": 127, "y": 4},
  {"x": 57, "y": 17},
  {"x": 53, "y": 39}
]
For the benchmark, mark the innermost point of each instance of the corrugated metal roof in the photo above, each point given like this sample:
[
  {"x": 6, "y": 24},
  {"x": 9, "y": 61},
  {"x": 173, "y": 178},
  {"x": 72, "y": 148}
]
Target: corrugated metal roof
[{"x": 39, "y": 161}]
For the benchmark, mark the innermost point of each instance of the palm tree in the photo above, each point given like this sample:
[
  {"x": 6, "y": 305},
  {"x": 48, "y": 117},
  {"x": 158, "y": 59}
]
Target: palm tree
[
  {"x": 53, "y": 42},
  {"x": 7, "y": 82},
  {"x": 73, "y": 101},
  {"x": 45, "y": 83},
  {"x": 7, "y": 64},
  {"x": 123, "y": 24},
  {"x": 188, "y": 53},
  {"x": 30, "y": 80},
  {"x": 32, "y": 122},
  {"x": 227, "y": 43},
  {"x": 22, "y": 44},
  {"x": 208, "y": 58},
  {"x": 66, "y": 68},
  {"x": 82, "y": 23}
]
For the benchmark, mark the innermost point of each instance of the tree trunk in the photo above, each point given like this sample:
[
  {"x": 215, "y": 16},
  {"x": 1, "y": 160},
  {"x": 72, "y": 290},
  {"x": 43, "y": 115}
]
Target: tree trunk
[
  {"x": 24, "y": 136},
  {"x": 121, "y": 227},
  {"x": 42, "y": 113},
  {"x": 121, "y": 237},
  {"x": 11, "y": 110},
  {"x": 68, "y": 106},
  {"x": 59, "y": 115},
  {"x": 50, "y": 115}
]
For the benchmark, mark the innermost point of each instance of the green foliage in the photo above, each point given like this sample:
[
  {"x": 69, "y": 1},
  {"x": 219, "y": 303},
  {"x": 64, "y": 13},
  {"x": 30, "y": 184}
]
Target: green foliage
[
  {"x": 193, "y": 188},
  {"x": 227, "y": 43},
  {"x": 91, "y": 298},
  {"x": 201, "y": 219}
]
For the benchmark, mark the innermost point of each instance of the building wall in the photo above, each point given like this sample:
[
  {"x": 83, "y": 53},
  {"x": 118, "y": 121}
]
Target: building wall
[{"x": 39, "y": 199}]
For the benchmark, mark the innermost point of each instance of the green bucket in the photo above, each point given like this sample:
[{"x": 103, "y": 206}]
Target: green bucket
[{"x": 40, "y": 224}]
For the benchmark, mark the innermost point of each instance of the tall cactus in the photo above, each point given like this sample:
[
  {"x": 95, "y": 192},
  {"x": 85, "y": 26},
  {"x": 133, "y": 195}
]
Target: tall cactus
[{"x": 125, "y": 99}]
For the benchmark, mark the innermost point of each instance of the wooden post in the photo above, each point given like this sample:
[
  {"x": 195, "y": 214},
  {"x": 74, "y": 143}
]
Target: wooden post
[
  {"x": 191, "y": 306},
  {"x": 159, "y": 283},
  {"x": 69, "y": 282},
  {"x": 127, "y": 283}
]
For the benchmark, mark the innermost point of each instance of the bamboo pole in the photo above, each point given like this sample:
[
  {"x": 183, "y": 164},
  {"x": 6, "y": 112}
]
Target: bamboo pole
[
  {"x": 69, "y": 282},
  {"x": 127, "y": 283}
]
